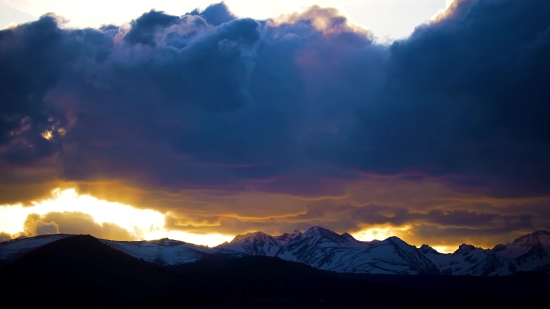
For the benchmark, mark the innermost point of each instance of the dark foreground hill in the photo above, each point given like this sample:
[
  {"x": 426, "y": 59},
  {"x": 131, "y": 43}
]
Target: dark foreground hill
[{"x": 81, "y": 271}]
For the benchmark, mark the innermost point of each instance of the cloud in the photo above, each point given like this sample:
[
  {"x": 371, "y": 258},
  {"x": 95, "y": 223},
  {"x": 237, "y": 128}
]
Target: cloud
[
  {"x": 215, "y": 14},
  {"x": 4, "y": 236},
  {"x": 214, "y": 118},
  {"x": 143, "y": 29},
  {"x": 356, "y": 218},
  {"x": 325, "y": 20},
  {"x": 463, "y": 81},
  {"x": 73, "y": 223},
  {"x": 35, "y": 225}
]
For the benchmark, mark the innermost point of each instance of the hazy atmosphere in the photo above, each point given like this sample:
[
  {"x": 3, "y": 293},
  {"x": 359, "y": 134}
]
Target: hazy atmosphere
[{"x": 422, "y": 119}]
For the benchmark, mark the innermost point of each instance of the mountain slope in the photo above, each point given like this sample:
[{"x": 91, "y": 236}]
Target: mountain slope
[
  {"x": 79, "y": 269},
  {"x": 468, "y": 260},
  {"x": 13, "y": 249},
  {"x": 324, "y": 249},
  {"x": 161, "y": 252},
  {"x": 530, "y": 252},
  {"x": 286, "y": 237}
]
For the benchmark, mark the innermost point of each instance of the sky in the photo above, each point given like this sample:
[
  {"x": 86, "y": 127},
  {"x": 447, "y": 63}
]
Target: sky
[
  {"x": 389, "y": 19},
  {"x": 201, "y": 124}
]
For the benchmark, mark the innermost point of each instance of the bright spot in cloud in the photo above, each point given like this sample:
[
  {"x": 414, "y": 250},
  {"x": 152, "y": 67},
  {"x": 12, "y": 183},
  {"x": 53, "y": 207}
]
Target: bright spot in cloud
[
  {"x": 11, "y": 25},
  {"x": 47, "y": 134},
  {"x": 379, "y": 233},
  {"x": 144, "y": 224},
  {"x": 444, "y": 249},
  {"x": 383, "y": 232},
  {"x": 441, "y": 13}
]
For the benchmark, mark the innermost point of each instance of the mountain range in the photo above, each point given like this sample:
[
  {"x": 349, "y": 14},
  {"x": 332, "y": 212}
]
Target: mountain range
[
  {"x": 326, "y": 250},
  {"x": 83, "y": 271}
]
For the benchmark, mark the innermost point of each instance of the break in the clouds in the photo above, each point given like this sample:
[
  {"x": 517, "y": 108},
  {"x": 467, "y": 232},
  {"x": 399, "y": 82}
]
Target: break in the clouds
[{"x": 235, "y": 124}]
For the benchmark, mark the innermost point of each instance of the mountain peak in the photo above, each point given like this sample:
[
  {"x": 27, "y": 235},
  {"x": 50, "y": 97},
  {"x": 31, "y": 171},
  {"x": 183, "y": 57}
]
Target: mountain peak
[
  {"x": 464, "y": 248},
  {"x": 425, "y": 249},
  {"x": 540, "y": 236},
  {"x": 286, "y": 237},
  {"x": 396, "y": 239},
  {"x": 324, "y": 235},
  {"x": 348, "y": 236},
  {"x": 317, "y": 230},
  {"x": 250, "y": 237},
  {"x": 256, "y": 243}
]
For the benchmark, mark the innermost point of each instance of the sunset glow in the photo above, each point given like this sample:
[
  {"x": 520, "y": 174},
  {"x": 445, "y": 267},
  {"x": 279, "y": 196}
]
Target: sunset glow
[
  {"x": 200, "y": 121},
  {"x": 142, "y": 224}
]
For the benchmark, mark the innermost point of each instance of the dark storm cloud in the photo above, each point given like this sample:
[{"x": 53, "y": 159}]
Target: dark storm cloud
[
  {"x": 303, "y": 106},
  {"x": 145, "y": 27},
  {"x": 32, "y": 58},
  {"x": 469, "y": 96},
  {"x": 215, "y": 14}
]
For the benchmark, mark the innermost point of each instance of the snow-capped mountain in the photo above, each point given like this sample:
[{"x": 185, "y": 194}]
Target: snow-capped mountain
[
  {"x": 257, "y": 243},
  {"x": 468, "y": 260},
  {"x": 527, "y": 253},
  {"x": 324, "y": 249},
  {"x": 286, "y": 237},
  {"x": 161, "y": 252},
  {"x": 12, "y": 249},
  {"x": 530, "y": 252},
  {"x": 327, "y": 250}
]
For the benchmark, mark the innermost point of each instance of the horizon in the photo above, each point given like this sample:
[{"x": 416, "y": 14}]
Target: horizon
[
  {"x": 425, "y": 120},
  {"x": 439, "y": 249}
]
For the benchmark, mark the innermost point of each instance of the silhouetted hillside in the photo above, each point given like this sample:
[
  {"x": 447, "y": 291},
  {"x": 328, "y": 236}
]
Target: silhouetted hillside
[
  {"x": 266, "y": 282},
  {"x": 79, "y": 270},
  {"x": 519, "y": 288}
]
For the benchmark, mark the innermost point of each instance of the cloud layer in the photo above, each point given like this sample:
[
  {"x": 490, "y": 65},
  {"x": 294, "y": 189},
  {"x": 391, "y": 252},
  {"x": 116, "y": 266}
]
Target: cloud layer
[
  {"x": 73, "y": 223},
  {"x": 5, "y": 236},
  {"x": 237, "y": 124}
]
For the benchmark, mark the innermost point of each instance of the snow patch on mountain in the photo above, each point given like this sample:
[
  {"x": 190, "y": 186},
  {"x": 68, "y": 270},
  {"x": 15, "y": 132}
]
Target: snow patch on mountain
[
  {"x": 286, "y": 237},
  {"x": 324, "y": 249},
  {"x": 468, "y": 260},
  {"x": 530, "y": 252},
  {"x": 162, "y": 252},
  {"x": 13, "y": 249}
]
